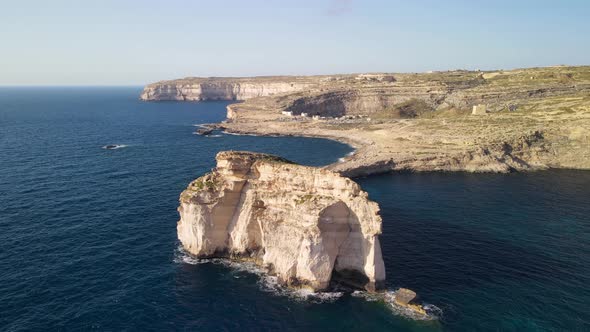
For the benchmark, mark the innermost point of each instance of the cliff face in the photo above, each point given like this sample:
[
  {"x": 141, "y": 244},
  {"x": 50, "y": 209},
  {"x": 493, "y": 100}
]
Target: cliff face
[
  {"x": 535, "y": 118},
  {"x": 459, "y": 90},
  {"x": 221, "y": 89},
  {"x": 307, "y": 225},
  {"x": 363, "y": 101},
  {"x": 368, "y": 94}
]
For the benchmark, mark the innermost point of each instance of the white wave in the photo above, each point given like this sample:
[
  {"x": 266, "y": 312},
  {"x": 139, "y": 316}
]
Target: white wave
[
  {"x": 181, "y": 256},
  {"x": 267, "y": 283},
  {"x": 114, "y": 146},
  {"x": 369, "y": 297},
  {"x": 388, "y": 298},
  {"x": 328, "y": 296},
  {"x": 214, "y": 135},
  {"x": 409, "y": 313},
  {"x": 432, "y": 311},
  {"x": 270, "y": 284},
  {"x": 343, "y": 159},
  {"x": 236, "y": 134},
  {"x": 253, "y": 135}
]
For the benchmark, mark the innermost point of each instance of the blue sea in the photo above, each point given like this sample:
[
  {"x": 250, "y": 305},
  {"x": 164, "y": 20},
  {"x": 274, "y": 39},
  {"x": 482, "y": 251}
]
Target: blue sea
[{"x": 88, "y": 235}]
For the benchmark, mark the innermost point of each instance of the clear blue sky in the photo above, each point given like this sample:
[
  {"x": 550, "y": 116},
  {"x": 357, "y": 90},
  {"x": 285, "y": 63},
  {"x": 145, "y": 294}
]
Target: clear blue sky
[{"x": 129, "y": 42}]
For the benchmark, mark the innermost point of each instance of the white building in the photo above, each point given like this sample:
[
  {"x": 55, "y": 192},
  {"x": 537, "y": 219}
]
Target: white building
[{"x": 479, "y": 109}]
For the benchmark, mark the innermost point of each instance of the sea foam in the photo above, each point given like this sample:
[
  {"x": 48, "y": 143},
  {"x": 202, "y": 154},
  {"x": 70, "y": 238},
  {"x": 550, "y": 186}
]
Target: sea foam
[
  {"x": 114, "y": 146},
  {"x": 270, "y": 284}
]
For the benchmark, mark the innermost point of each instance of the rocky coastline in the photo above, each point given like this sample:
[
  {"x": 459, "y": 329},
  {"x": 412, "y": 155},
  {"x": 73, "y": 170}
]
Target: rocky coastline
[
  {"x": 313, "y": 226},
  {"x": 526, "y": 119}
]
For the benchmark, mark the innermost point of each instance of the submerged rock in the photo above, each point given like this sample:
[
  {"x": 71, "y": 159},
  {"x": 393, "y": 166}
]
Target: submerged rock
[
  {"x": 309, "y": 226},
  {"x": 204, "y": 131},
  {"x": 403, "y": 302}
]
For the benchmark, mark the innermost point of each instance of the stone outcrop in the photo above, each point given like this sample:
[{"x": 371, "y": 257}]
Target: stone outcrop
[
  {"x": 308, "y": 226},
  {"x": 404, "y": 296}
]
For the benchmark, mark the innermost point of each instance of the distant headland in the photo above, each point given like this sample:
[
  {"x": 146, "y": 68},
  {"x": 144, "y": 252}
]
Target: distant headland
[{"x": 475, "y": 121}]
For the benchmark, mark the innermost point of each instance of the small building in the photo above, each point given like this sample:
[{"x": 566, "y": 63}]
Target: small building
[
  {"x": 305, "y": 114},
  {"x": 287, "y": 113},
  {"x": 316, "y": 117},
  {"x": 479, "y": 109}
]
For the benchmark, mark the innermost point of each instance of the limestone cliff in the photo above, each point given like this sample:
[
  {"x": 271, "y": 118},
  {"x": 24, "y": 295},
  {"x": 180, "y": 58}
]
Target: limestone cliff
[
  {"x": 309, "y": 226},
  {"x": 535, "y": 118},
  {"x": 201, "y": 89}
]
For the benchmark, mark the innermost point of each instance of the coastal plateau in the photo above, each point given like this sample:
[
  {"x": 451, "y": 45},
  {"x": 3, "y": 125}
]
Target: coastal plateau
[{"x": 476, "y": 121}]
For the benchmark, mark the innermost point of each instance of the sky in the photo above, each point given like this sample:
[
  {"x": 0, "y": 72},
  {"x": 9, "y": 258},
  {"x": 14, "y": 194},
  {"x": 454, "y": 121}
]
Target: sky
[{"x": 128, "y": 42}]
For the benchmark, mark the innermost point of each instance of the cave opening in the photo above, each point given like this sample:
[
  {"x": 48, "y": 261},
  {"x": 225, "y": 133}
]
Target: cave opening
[{"x": 343, "y": 242}]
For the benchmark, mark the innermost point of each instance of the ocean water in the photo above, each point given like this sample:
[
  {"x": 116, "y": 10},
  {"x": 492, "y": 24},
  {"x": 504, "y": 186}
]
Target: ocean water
[{"x": 88, "y": 235}]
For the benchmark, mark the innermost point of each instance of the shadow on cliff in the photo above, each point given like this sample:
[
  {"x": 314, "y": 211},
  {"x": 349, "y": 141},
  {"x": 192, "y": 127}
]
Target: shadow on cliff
[
  {"x": 331, "y": 104},
  {"x": 342, "y": 235}
]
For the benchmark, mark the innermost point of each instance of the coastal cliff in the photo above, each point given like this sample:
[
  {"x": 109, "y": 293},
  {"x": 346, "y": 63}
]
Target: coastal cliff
[
  {"x": 474, "y": 121},
  {"x": 202, "y": 89},
  {"x": 532, "y": 119},
  {"x": 309, "y": 226}
]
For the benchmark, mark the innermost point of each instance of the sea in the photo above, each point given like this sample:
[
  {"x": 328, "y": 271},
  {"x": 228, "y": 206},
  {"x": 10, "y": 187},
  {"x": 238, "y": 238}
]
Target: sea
[{"x": 88, "y": 234}]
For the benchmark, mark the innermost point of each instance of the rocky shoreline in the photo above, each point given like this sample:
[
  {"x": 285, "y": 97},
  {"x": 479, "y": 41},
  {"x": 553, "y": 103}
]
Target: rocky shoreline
[
  {"x": 526, "y": 119},
  {"x": 311, "y": 227}
]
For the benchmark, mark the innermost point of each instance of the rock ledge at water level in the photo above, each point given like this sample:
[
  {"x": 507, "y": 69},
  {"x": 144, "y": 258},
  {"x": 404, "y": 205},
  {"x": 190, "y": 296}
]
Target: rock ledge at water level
[{"x": 308, "y": 226}]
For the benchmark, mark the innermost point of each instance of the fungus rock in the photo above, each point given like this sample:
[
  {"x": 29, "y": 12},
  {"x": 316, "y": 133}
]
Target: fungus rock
[{"x": 306, "y": 225}]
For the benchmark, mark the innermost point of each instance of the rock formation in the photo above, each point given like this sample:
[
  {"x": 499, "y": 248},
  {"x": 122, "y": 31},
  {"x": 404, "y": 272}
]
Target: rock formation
[
  {"x": 309, "y": 226},
  {"x": 404, "y": 296}
]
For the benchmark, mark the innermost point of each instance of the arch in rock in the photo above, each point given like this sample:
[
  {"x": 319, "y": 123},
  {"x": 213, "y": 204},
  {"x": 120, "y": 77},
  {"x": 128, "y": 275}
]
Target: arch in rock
[{"x": 344, "y": 244}]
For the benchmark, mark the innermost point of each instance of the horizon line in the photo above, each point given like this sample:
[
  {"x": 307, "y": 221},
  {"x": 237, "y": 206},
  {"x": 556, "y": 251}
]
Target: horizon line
[
  {"x": 70, "y": 85},
  {"x": 74, "y": 85}
]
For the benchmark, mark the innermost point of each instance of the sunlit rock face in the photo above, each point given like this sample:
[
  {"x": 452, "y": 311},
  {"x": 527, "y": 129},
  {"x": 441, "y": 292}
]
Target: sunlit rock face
[
  {"x": 308, "y": 226},
  {"x": 218, "y": 89}
]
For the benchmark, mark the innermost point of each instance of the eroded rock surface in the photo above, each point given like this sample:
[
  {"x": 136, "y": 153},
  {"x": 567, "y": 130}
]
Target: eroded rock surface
[{"x": 307, "y": 225}]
